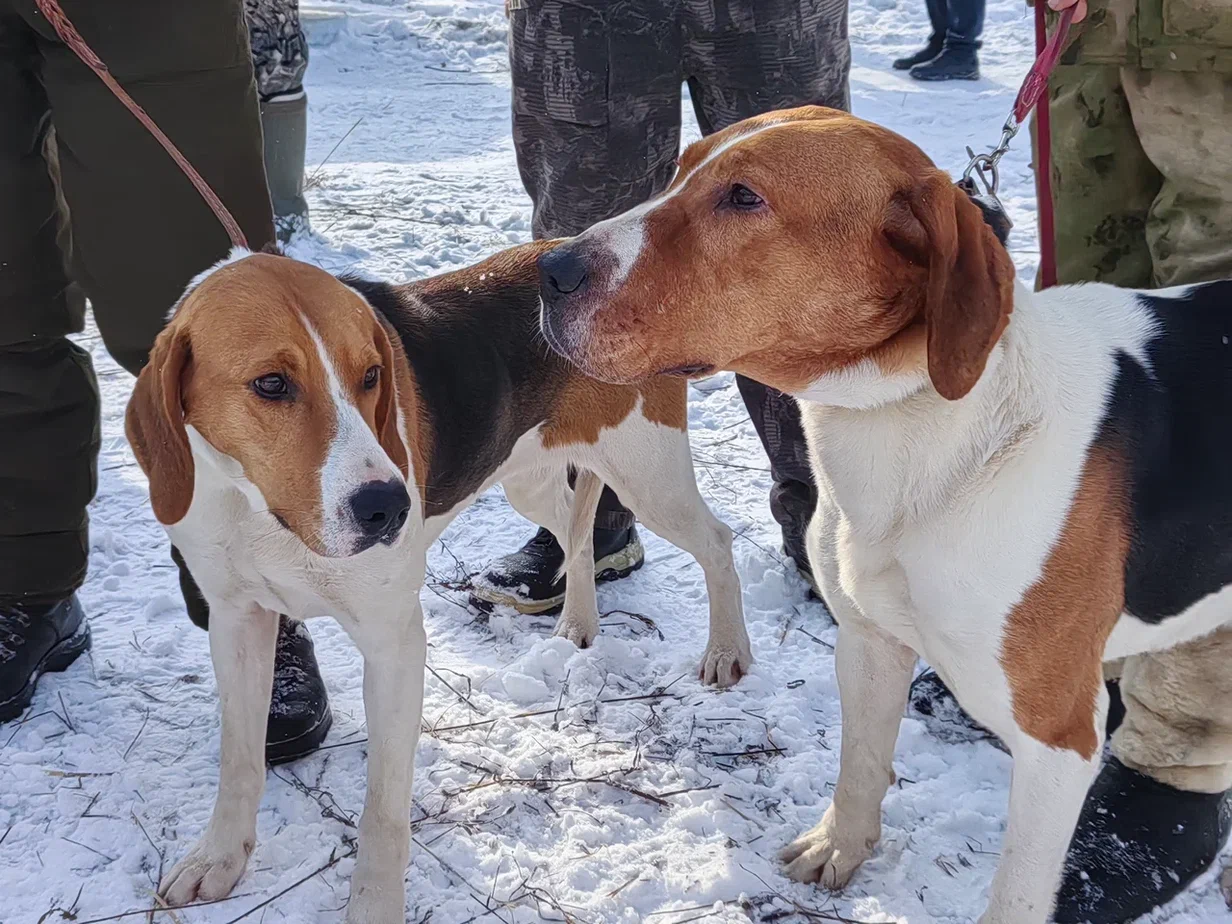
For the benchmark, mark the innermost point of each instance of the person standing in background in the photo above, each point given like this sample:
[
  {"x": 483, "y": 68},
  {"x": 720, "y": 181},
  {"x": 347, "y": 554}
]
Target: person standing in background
[
  {"x": 596, "y": 126},
  {"x": 94, "y": 208},
  {"x": 280, "y": 58},
  {"x": 952, "y": 52}
]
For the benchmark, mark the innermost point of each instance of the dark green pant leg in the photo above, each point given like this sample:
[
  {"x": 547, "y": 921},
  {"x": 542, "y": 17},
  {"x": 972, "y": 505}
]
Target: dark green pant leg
[
  {"x": 140, "y": 230},
  {"x": 48, "y": 397}
]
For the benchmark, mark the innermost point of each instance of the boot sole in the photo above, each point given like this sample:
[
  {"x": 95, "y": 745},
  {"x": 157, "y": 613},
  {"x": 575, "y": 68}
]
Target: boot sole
[
  {"x": 283, "y": 752},
  {"x": 58, "y": 659},
  {"x": 609, "y": 568}
]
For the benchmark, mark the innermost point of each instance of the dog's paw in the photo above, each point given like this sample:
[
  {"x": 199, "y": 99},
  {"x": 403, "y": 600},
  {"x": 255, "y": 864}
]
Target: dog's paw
[
  {"x": 372, "y": 904},
  {"x": 209, "y": 872},
  {"x": 724, "y": 665},
  {"x": 580, "y": 630},
  {"x": 828, "y": 854}
]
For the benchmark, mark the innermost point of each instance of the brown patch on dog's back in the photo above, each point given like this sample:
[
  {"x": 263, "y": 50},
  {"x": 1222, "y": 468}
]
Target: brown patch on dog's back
[
  {"x": 586, "y": 407},
  {"x": 1054, "y": 639}
]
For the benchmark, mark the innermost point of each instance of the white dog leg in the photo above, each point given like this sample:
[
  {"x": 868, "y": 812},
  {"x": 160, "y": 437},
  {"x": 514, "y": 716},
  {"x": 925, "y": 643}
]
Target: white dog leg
[
  {"x": 874, "y": 674},
  {"x": 395, "y": 651},
  {"x": 242, "y": 648}
]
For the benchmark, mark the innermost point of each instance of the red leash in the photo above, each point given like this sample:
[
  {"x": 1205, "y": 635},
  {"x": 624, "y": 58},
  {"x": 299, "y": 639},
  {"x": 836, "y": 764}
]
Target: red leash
[
  {"x": 72, "y": 38},
  {"x": 1043, "y": 142},
  {"x": 1034, "y": 86}
]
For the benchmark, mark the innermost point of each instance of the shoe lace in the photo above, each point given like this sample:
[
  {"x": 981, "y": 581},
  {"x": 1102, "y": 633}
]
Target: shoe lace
[{"x": 13, "y": 621}]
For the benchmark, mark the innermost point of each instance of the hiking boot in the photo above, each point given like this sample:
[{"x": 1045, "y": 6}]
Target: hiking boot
[
  {"x": 932, "y": 702},
  {"x": 923, "y": 56},
  {"x": 526, "y": 580},
  {"x": 299, "y": 715},
  {"x": 956, "y": 62},
  {"x": 35, "y": 640},
  {"x": 284, "y": 124},
  {"x": 1138, "y": 844}
]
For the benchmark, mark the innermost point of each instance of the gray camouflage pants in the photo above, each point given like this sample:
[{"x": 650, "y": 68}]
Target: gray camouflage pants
[
  {"x": 279, "y": 48},
  {"x": 596, "y": 125}
]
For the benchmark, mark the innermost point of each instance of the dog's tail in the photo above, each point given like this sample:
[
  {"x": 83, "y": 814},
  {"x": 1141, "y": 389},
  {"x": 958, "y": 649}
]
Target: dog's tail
[{"x": 586, "y": 490}]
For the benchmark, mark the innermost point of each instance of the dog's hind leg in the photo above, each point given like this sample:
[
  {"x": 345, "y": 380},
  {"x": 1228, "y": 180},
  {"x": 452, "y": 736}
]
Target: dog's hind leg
[
  {"x": 242, "y": 648},
  {"x": 650, "y": 466},
  {"x": 544, "y": 498},
  {"x": 395, "y": 652},
  {"x": 874, "y": 673}
]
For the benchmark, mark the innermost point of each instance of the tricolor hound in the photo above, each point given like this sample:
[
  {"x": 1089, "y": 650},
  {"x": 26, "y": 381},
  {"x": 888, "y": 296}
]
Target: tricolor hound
[
  {"x": 1015, "y": 497},
  {"x": 307, "y": 439}
]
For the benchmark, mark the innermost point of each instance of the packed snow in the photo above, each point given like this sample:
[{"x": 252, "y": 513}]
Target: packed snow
[{"x": 551, "y": 784}]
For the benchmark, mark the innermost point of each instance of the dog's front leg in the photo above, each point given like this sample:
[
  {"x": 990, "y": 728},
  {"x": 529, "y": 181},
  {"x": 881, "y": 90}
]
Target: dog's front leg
[
  {"x": 394, "y": 660},
  {"x": 874, "y": 673},
  {"x": 242, "y": 648},
  {"x": 1047, "y": 790}
]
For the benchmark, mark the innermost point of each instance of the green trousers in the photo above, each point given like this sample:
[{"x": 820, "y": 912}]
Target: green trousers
[
  {"x": 1141, "y": 175},
  {"x": 92, "y": 207}
]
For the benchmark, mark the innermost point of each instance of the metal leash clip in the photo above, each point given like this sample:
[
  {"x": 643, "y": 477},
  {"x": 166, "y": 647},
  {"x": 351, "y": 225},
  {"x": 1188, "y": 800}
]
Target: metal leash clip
[{"x": 984, "y": 166}]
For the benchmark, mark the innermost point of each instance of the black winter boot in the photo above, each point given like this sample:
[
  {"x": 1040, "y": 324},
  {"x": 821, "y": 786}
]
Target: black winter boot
[
  {"x": 932, "y": 702},
  {"x": 956, "y": 62},
  {"x": 923, "y": 56},
  {"x": 526, "y": 580},
  {"x": 35, "y": 640},
  {"x": 1139, "y": 843},
  {"x": 299, "y": 716}
]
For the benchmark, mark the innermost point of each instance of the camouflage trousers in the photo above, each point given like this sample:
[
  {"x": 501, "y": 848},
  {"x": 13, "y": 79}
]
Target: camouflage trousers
[
  {"x": 1142, "y": 191},
  {"x": 596, "y": 123},
  {"x": 1141, "y": 175}
]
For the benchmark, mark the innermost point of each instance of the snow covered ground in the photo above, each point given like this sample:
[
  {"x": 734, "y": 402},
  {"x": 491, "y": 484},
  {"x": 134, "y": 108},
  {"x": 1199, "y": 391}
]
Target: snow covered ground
[{"x": 552, "y": 784}]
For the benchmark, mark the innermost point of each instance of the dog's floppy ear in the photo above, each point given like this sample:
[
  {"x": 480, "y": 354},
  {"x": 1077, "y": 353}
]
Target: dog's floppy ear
[
  {"x": 970, "y": 290},
  {"x": 387, "y": 431},
  {"x": 154, "y": 424}
]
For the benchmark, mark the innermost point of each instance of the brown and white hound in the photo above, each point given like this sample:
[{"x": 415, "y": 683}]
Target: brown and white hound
[
  {"x": 1016, "y": 486},
  {"x": 308, "y": 438}
]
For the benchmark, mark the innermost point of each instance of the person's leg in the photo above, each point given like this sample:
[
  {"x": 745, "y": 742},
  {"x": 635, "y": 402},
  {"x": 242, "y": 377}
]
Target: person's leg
[
  {"x": 959, "y": 57},
  {"x": 1103, "y": 183},
  {"x": 938, "y": 17},
  {"x": 48, "y": 398},
  {"x": 140, "y": 231},
  {"x": 744, "y": 58},
  {"x": 280, "y": 58},
  {"x": 596, "y": 129},
  {"x": 1162, "y": 807}
]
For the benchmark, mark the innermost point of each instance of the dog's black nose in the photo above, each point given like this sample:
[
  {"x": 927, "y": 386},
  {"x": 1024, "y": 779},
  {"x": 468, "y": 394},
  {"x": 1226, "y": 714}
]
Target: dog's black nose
[
  {"x": 562, "y": 271},
  {"x": 380, "y": 508}
]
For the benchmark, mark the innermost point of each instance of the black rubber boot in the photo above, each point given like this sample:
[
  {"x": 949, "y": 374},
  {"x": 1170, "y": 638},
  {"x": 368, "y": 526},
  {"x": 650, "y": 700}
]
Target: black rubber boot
[
  {"x": 1139, "y": 843},
  {"x": 923, "y": 56},
  {"x": 284, "y": 124},
  {"x": 36, "y": 640},
  {"x": 932, "y": 702},
  {"x": 526, "y": 580},
  {"x": 956, "y": 62},
  {"x": 299, "y": 716}
]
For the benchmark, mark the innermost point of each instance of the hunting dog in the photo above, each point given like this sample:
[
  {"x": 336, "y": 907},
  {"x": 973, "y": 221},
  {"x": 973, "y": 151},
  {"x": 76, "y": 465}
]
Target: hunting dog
[
  {"x": 1015, "y": 486},
  {"x": 307, "y": 439}
]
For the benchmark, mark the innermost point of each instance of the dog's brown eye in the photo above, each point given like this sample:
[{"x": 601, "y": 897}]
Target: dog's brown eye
[
  {"x": 371, "y": 377},
  {"x": 741, "y": 197},
  {"x": 275, "y": 387}
]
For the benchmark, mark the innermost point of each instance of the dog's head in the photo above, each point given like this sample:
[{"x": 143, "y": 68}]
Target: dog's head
[
  {"x": 283, "y": 379},
  {"x": 807, "y": 249}
]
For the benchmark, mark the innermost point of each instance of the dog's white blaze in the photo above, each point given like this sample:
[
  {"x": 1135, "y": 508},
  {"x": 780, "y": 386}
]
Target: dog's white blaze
[
  {"x": 355, "y": 457},
  {"x": 624, "y": 236}
]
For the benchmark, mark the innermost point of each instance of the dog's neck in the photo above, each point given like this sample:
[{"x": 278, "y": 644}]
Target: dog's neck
[{"x": 891, "y": 446}]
